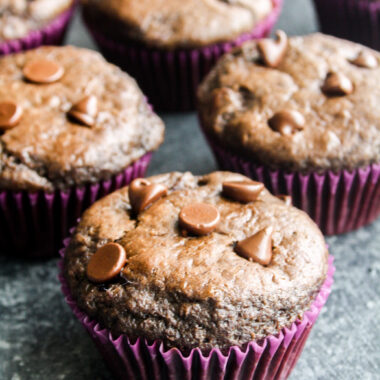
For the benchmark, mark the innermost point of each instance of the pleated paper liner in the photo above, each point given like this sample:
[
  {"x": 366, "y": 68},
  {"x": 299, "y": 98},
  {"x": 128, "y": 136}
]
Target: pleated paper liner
[
  {"x": 52, "y": 34},
  {"x": 338, "y": 202},
  {"x": 170, "y": 77},
  {"x": 355, "y": 20},
  {"x": 32, "y": 225},
  {"x": 272, "y": 358}
]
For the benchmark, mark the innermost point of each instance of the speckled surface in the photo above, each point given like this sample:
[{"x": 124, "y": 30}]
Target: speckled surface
[{"x": 40, "y": 338}]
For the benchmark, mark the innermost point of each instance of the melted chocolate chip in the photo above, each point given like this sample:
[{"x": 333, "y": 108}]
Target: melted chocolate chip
[
  {"x": 287, "y": 122},
  {"x": 242, "y": 191},
  {"x": 257, "y": 247},
  {"x": 143, "y": 193},
  {"x": 106, "y": 263},
  {"x": 85, "y": 110},
  {"x": 273, "y": 51},
  {"x": 43, "y": 71},
  {"x": 337, "y": 84},
  {"x": 365, "y": 60},
  {"x": 199, "y": 218},
  {"x": 10, "y": 115}
]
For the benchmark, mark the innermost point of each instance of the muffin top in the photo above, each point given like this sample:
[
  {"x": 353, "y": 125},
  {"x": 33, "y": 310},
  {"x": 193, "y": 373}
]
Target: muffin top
[
  {"x": 68, "y": 117},
  {"x": 19, "y": 17},
  {"x": 180, "y": 23},
  {"x": 303, "y": 103},
  {"x": 198, "y": 261}
]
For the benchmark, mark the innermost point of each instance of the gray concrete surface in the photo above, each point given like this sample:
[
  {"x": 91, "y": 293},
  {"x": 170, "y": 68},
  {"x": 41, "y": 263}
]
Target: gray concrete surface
[{"x": 40, "y": 339}]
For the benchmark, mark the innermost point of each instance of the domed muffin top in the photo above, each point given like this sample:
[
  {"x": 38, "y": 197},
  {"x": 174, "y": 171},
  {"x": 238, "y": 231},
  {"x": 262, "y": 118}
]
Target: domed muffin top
[
  {"x": 303, "y": 103},
  {"x": 179, "y": 23},
  {"x": 19, "y": 17},
  {"x": 195, "y": 261},
  {"x": 67, "y": 117}
]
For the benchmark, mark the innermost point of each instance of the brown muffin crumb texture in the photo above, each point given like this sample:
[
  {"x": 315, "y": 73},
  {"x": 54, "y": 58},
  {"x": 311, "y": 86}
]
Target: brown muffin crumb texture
[
  {"x": 196, "y": 291},
  {"x": 19, "y": 17},
  {"x": 316, "y": 110},
  {"x": 177, "y": 23},
  {"x": 81, "y": 119}
]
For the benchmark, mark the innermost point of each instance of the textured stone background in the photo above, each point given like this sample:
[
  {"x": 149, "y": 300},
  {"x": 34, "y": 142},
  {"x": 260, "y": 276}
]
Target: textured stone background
[{"x": 40, "y": 339}]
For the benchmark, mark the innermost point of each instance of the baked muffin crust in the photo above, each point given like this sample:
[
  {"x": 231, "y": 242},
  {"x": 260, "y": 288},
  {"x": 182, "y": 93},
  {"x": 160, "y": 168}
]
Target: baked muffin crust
[
  {"x": 47, "y": 149},
  {"x": 19, "y": 17},
  {"x": 196, "y": 291},
  {"x": 339, "y": 131},
  {"x": 178, "y": 23}
]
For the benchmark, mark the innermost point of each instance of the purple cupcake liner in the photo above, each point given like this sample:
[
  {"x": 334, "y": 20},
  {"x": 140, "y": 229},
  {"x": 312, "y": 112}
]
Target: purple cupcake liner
[
  {"x": 33, "y": 225},
  {"x": 170, "y": 77},
  {"x": 52, "y": 34},
  {"x": 355, "y": 20},
  {"x": 338, "y": 202},
  {"x": 272, "y": 358}
]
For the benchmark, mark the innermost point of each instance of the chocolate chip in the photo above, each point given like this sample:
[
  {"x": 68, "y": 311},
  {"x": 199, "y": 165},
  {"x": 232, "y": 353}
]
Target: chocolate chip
[
  {"x": 142, "y": 193},
  {"x": 257, "y": 247},
  {"x": 10, "y": 115},
  {"x": 273, "y": 51},
  {"x": 85, "y": 110},
  {"x": 287, "y": 122},
  {"x": 106, "y": 263},
  {"x": 242, "y": 191},
  {"x": 285, "y": 198},
  {"x": 43, "y": 71},
  {"x": 199, "y": 218},
  {"x": 82, "y": 118},
  {"x": 337, "y": 84},
  {"x": 366, "y": 60}
]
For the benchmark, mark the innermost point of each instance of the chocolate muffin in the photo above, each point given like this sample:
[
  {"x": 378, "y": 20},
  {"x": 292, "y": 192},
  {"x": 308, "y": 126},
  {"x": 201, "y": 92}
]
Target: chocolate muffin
[
  {"x": 177, "y": 23},
  {"x": 26, "y": 24},
  {"x": 74, "y": 119},
  {"x": 174, "y": 41},
  {"x": 305, "y": 105},
  {"x": 69, "y": 120},
  {"x": 355, "y": 20},
  {"x": 209, "y": 262},
  {"x": 19, "y": 17}
]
